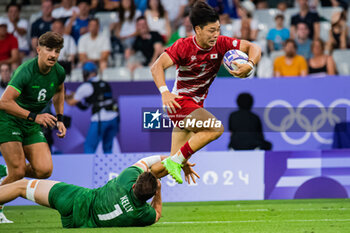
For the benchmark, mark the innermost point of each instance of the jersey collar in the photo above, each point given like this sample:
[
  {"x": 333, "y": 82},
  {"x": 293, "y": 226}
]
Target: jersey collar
[{"x": 197, "y": 45}]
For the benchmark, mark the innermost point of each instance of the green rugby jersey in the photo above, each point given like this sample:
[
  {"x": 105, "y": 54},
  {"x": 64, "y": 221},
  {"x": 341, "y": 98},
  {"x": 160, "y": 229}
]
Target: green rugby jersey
[
  {"x": 114, "y": 204},
  {"x": 36, "y": 89}
]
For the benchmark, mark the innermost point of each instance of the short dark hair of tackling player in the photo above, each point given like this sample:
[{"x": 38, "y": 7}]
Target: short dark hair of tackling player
[{"x": 145, "y": 186}]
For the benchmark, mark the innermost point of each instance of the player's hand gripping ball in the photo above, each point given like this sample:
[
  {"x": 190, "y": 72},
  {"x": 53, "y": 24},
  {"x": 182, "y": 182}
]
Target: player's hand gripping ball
[{"x": 237, "y": 56}]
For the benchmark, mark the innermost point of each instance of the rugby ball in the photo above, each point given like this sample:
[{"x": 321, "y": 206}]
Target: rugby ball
[{"x": 237, "y": 56}]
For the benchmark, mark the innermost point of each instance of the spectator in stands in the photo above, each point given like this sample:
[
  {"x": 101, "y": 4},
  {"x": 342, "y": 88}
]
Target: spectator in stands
[
  {"x": 141, "y": 5},
  {"x": 65, "y": 10},
  {"x": 246, "y": 27},
  {"x": 321, "y": 64},
  {"x": 18, "y": 27},
  {"x": 312, "y": 20},
  {"x": 94, "y": 46},
  {"x": 175, "y": 11},
  {"x": 290, "y": 64},
  {"x": 77, "y": 25},
  {"x": 69, "y": 50},
  {"x": 303, "y": 41},
  {"x": 224, "y": 7},
  {"x": 261, "y": 4},
  {"x": 278, "y": 35},
  {"x": 43, "y": 24},
  {"x": 184, "y": 31},
  {"x": 338, "y": 34},
  {"x": 5, "y": 74},
  {"x": 226, "y": 28},
  {"x": 147, "y": 46},
  {"x": 245, "y": 127},
  {"x": 111, "y": 5},
  {"x": 282, "y": 6},
  {"x": 125, "y": 27},
  {"x": 8, "y": 47},
  {"x": 157, "y": 19},
  {"x": 104, "y": 120}
]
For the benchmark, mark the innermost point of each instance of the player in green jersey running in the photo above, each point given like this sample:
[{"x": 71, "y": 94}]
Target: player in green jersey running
[
  {"x": 119, "y": 203},
  {"x": 32, "y": 86}
]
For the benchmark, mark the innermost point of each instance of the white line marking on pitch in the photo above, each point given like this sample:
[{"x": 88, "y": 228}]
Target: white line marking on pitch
[
  {"x": 301, "y": 209},
  {"x": 257, "y": 221}
]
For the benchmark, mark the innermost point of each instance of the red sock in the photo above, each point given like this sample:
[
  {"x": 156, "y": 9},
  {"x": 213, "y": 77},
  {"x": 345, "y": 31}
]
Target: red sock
[{"x": 186, "y": 150}]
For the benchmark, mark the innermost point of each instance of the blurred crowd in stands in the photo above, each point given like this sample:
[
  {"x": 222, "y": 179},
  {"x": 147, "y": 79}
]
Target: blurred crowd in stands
[{"x": 298, "y": 38}]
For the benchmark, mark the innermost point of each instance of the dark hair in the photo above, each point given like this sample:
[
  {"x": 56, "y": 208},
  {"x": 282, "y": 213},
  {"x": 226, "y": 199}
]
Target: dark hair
[
  {"x": 318, "y": 40},
  {"x": 140, "y": 18},
  {"x": 201, "y": 14},
  {"x": 86, "y": 1},
  {"x": 160, "y": 9},
  {"x": 122, "y": 11},
  {"x": 291, "y": 41},
  {"x": 51, "y": 40},
  {"x": 279, "y": 16},
  {"x": 58, "y": 21},
  {"x": 12, "y": 3},
  {"x": 145, "y": 186},
  {"x": 245, "y": 101},
  {"x": 96, "y": 20}
]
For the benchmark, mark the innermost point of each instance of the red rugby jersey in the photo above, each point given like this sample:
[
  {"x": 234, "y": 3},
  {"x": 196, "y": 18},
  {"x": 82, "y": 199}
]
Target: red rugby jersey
[{"x": 197, "y": 67}]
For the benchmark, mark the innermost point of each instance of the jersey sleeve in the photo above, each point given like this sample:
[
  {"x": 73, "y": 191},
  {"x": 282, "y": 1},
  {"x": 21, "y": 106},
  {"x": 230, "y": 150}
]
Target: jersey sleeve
[
  {"x": 149, "y": 216},
  {"x": 19, "y": 79},
  {"x": 175, "y": 51},
  {"x": 227, "y": 43}
]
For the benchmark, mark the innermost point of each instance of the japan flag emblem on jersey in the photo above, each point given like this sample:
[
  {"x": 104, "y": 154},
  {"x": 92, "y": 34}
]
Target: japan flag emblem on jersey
[{"x": 214, "y": 56}]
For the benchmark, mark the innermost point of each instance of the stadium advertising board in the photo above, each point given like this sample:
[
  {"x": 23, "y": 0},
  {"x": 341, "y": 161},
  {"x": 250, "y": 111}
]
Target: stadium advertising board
[
  {"x": 305, "y": 112},
  {"x": 307, "y": 174},
  {"x": 224, "y": 176}
]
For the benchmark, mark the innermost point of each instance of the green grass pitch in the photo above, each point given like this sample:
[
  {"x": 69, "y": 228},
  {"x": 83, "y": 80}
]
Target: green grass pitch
[{"x": 305, "y": 216}]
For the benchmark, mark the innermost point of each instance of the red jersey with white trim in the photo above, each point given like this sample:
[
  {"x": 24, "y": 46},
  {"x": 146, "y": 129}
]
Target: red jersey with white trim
[{"x": 197, "y": 67}]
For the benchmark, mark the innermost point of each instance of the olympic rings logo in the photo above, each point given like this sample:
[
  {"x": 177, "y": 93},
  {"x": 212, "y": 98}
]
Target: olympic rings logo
[{"x": 311, "y": 127}]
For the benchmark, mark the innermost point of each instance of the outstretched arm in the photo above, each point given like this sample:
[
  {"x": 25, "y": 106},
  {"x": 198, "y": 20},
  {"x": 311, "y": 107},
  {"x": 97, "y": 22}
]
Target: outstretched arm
[
  {"x": 157, "y": 69},
  {"x": 153, "y": 163}
]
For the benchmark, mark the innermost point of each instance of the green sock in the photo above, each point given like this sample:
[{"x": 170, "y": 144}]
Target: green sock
[{"x": 3, "y": 170}]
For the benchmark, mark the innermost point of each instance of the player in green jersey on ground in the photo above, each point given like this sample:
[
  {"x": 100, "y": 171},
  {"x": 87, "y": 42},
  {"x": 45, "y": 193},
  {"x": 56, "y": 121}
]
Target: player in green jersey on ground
[
  {"x": 32, "y": 86},
  {"x": 119, "y": 203}
]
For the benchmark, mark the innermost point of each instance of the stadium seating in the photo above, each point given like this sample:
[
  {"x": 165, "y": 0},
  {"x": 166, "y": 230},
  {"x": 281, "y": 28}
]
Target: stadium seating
[
  {"x": 106, "y": 18},
  {"x": 76, "y": 75},
  {"x": 326, "y": 12},
  {"x": 118, "y": 74},
  {"x": 275, "y": 54},
  {"x": 143, "y": 74},
  {"x": 341, "y": 58},
  {"x": 324, "y": 30}
]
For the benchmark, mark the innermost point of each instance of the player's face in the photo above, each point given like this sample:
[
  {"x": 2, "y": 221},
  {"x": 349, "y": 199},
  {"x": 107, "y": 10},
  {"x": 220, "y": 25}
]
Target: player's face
[
  {"x": 208, "y": 35},
  {"x": 48, "y": 56}
]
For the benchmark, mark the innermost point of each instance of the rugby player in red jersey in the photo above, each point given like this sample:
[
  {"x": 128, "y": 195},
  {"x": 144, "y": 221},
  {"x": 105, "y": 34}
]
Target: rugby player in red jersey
[{"x": 197, "y": 60}]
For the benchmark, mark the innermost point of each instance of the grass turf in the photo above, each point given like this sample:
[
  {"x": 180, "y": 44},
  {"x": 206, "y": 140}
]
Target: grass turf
[{"x": 305, "y": 216}]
